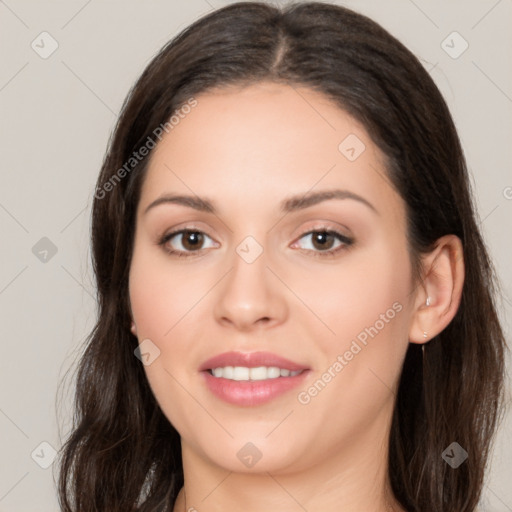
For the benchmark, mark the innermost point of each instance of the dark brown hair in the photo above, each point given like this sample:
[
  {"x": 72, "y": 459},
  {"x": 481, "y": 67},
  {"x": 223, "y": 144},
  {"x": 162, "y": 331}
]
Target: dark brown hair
[{"x": 122, "y": 453}]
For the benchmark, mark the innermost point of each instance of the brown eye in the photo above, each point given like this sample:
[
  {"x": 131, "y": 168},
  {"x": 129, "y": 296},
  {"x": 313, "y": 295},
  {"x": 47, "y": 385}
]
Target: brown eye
[
  {"x": 184, "y": 242},
  {"x": 192, "y": 240},
  {"x": 323, "y": 242}
]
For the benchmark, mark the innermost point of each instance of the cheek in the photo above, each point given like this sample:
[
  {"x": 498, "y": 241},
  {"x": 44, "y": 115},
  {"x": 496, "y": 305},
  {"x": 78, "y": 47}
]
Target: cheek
[
  {"x": 363, "y": 309},
  {"x": 159, "y": 295},
  {"x": 354, "y": 293},
  {"x": 166, "y": 302},
  {"x": 159, "y": 300},
  {"x": 361, "y": 361}
]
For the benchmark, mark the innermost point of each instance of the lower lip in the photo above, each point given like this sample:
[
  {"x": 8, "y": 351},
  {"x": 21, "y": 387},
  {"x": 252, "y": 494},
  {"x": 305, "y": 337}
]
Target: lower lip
[{"x": 251, "y": 392}]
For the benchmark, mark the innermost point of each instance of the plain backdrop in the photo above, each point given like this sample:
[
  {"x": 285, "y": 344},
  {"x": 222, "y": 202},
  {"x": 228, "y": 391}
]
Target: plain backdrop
[{"x": 57, "y": 112}]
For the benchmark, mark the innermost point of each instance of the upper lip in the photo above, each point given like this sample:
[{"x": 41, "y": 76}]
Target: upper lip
[{"x": 250, "y": 360}]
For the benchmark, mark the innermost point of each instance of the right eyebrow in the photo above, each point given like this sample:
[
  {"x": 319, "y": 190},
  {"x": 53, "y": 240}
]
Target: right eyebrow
[{"x": 195, "y": 202}]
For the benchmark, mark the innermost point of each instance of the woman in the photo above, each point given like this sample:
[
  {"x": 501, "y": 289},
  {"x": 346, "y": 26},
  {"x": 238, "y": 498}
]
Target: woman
[{"x": 296, "y": 306}]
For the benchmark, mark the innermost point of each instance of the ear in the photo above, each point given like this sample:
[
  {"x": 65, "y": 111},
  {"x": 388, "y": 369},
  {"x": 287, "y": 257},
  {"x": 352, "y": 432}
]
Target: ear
[
  {"x": 442, "y": 281},
  {"x": 133, "y": 327}
]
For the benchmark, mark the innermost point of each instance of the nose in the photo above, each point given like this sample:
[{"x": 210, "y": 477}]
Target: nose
[{"x": 250, "y": 296}]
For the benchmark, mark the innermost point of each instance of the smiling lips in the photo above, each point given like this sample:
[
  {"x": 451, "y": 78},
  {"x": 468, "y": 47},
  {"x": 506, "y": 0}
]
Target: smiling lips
[{"x": 248, "y": 379}]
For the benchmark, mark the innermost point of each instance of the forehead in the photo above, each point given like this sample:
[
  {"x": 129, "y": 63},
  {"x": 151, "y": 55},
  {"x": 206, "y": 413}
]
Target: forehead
[
  {"x": 282, "y": 119},
  {"x": 260, "y": 143}
]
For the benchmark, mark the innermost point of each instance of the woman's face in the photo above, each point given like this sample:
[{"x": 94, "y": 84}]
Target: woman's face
[{"x": 253, "y": 278}]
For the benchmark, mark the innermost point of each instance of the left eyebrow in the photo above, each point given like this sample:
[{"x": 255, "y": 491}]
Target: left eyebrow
[
  {"x": 291, "y": 204},
  {"x": 300, "y": 202}
]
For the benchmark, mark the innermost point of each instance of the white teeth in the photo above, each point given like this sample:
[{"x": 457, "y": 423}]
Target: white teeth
[
  {"x": 273, "y": 372},
  {"x": 259, "y": 373},
  {"x": 227, "y": 372},
  {"x": 240, "y": 373}
]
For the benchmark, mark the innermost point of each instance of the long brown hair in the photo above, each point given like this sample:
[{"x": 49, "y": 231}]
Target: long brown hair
[{"x": 122, "y": 453}]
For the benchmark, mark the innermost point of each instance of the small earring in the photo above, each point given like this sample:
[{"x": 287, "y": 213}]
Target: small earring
[
  {"x": 424, "y": 334},
  {"x": 428, "y": 301}
]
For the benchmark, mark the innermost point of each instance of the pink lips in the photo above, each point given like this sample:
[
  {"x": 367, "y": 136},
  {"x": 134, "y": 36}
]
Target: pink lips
[
  {"x": 250, "y": 393},
  {"x": 250, "y": 360}
]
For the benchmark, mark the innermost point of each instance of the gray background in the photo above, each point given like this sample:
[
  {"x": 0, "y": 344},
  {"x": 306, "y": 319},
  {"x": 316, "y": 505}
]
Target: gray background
[{"x": 57, "y": 113}]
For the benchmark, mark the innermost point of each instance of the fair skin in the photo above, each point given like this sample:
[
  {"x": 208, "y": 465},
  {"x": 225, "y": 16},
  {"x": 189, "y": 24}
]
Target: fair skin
[{"x": 247, "y": 150}]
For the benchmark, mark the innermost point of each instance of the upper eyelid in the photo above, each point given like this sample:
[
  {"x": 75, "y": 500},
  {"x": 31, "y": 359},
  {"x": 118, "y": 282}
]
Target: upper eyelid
[
  {"x": 318, "y": 226},
  {"x": 315, "y": 228}
]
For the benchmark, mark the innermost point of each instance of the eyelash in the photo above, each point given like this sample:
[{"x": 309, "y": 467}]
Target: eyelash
[{"x": 346, "y": 242}]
